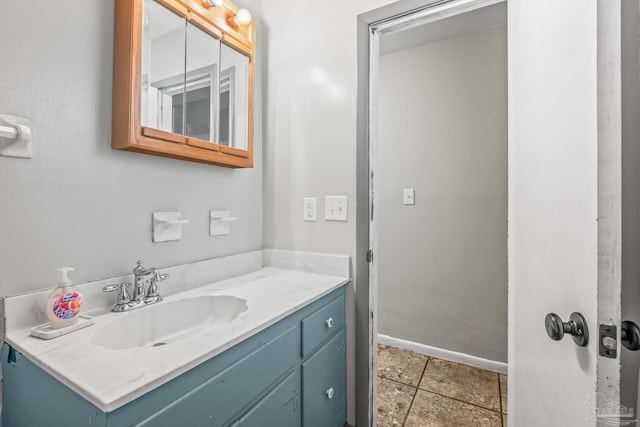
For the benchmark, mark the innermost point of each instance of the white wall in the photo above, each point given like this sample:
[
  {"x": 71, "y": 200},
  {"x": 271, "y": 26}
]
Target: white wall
[
  {"x": 78, "y": 202},
  {"x": 310, "y": 130},
  {"x": 442, "y": 264}
]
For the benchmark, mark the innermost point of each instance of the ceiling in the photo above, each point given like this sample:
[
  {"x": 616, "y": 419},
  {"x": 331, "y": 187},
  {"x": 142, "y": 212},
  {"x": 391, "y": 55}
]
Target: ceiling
[{"x": 454, "y": 26}]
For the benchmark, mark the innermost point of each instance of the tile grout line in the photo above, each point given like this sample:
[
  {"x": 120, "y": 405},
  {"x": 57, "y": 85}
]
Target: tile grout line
[
  {"x": 500, "y": 397},
  {"x": 441, "y": 395},
  {"x": 417, "y": 388},
  {"x": 416, "y": 391}
]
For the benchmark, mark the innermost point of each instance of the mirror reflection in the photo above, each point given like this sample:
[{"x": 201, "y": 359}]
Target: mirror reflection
[
  {"x": 163, "y": 53},
  {"x": 192, "y": 84},
  {"x": 234, "y": 97},
  {"x": 201, "y": 81}
]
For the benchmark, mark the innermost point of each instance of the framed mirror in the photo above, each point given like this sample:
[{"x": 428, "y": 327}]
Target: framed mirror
[{"x": 183, "y": 81}]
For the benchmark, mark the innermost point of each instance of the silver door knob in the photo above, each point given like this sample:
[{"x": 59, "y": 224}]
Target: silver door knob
[
  {"x": 630, "y": 335},
  {"x": 329, "y": 322},
  {"x": 576, "y": 327}
]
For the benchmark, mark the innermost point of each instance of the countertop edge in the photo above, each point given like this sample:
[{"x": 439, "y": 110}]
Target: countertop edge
[{"x": 110, "y": 405}]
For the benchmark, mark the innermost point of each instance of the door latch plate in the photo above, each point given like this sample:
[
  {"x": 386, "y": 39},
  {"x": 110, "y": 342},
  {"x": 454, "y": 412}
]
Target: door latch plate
[{"x": 608, "y": 342}]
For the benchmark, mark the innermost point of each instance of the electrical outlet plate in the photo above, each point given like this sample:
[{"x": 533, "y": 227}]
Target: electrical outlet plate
[
  {"x": 335, "y": 208},
  {"x": 309, "y": 213}
]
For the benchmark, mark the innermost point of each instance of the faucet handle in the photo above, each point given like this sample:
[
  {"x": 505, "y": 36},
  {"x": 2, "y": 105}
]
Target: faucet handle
[
  {"x": 156, "y": 276},
  {"x": 152, "y": 292},
  {"x": 123, "y": 296},
  {"x": 138, "y": 267},
  {"x": 111, "y": 288}
]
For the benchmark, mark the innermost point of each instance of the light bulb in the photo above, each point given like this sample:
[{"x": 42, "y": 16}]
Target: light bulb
[{"x": 243, "y": 17}]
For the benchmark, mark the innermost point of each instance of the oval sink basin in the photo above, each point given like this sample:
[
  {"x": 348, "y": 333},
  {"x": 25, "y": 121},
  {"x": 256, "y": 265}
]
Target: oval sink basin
[{"x": 167, "y": 322}]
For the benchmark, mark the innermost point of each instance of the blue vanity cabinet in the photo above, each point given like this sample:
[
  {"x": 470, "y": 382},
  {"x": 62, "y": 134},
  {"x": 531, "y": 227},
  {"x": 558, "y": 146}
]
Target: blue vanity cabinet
[
  {"x": 324, "y": 366},
  {"x": 218, "y": 399},
  {"x": 281, "y": 406},
  {"x": 321, "y": 324},
  {"x": 324, "y": 385},
  {"x": 292, "y": 374}
]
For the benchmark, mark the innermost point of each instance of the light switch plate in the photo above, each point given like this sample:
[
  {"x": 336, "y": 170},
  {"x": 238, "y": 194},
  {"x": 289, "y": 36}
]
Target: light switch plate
[
  {"x": 335, "y": 208},
  {"x": 310, "y": 209},
  {"x": 409, "y": 196}
]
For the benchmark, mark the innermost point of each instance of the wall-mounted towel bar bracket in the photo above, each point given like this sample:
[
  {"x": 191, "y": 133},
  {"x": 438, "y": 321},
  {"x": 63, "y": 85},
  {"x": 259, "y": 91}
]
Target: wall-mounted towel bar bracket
[
  {"x": 8, "y": 132},
  {"x": 219, "y": 223},
  {"x": 15, "y": 136},
  {"x": 167, "y": 226}
]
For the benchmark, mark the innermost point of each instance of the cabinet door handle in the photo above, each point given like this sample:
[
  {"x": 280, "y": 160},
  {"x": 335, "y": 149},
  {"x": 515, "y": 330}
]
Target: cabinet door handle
[
  {"x": 329, "y": 322},
  {"x": 330, "y": 393}
]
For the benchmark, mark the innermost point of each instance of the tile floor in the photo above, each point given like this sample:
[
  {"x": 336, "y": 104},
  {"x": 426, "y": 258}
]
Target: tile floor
[{"x": 420, "y": 391}]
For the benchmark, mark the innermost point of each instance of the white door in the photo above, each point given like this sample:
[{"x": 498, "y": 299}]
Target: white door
[{"x": 564, "y": 207}]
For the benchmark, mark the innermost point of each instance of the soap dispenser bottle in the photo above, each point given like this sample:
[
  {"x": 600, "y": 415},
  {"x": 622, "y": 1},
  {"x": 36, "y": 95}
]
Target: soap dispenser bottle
[{"x": 63, "y": 305}]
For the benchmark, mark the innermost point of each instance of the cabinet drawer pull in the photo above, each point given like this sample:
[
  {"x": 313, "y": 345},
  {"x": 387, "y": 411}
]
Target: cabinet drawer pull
[
  {"x": 330, "y": 393},
  {"x": 329, "y": 322}
]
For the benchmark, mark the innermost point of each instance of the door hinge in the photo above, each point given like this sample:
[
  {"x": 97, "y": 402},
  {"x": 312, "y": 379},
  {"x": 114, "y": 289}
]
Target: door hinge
[{"x": 369, "y": 255}]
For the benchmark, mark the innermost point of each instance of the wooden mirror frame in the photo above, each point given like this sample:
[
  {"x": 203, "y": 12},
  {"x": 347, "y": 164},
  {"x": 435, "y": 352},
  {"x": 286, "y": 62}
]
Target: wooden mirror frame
[{"x": 127, "y": 132}]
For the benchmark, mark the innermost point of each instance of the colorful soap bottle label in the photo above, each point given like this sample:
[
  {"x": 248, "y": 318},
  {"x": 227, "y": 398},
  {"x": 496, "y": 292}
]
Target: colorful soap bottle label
[{"x": 67, "y": 305}]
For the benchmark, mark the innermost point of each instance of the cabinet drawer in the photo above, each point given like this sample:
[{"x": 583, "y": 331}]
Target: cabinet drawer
[
  {"x": 324, "y": 385},
  {"x": 217, "y": 400},
  {"x": 281, "y": 407},
  {"x": 318, "y": 326}
]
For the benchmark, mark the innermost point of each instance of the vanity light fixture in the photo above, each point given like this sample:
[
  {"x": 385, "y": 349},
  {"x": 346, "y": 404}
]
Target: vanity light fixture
[{"x": 242, "y": 17}]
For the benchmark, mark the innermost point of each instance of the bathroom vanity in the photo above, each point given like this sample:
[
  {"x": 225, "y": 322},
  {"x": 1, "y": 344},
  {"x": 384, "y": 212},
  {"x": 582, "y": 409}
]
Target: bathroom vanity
[{"x": 281, "y": 362}]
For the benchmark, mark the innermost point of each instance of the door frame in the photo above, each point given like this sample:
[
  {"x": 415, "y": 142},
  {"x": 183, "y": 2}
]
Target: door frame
[
  {"x": 608, "y": 182},
  {"x": 398, "y": 15}
]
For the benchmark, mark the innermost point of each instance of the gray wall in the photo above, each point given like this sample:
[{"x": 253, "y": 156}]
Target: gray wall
[
  {"x": 78, "y": 202},
  {"x": 443, "y": 131},
  {"x": 310, "y": 92},
  {"x": 630, "y": 361}
]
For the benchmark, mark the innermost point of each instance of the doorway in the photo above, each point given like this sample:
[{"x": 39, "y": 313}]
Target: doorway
[
  {"x": 564, "y": 227},
  {"x": 439, "y": 229}
]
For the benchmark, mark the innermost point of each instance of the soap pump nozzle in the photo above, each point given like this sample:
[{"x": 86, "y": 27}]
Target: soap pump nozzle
[{"x": 64, "y": 280}]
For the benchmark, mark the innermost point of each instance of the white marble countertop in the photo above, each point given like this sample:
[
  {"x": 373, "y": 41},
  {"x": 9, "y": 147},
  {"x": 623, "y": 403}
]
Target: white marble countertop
[{"x": 271, "y": 294}]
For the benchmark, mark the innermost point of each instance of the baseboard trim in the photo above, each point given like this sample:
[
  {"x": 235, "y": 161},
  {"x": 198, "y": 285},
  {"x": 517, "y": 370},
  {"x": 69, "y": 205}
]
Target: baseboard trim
[{"x": 440, "y": 353}]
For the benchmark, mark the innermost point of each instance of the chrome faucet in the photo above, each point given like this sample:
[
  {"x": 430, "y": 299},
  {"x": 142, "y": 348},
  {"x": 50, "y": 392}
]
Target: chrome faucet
[
  {"x": 140, "y": 297},
  {"x": 152, "y": 295}
]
